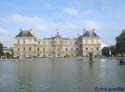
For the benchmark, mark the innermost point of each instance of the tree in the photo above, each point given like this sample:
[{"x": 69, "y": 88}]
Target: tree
[
  {"x": 1, "y": 49},
  {"x": 120, "y": 43},
  {"x": 8, "y": 55},
  {"x": 113, "y": 50},
  {"x": 105, "y": 51}
]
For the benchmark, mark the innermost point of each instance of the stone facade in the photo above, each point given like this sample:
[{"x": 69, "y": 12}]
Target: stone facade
[{"x": 26, "y": 45}]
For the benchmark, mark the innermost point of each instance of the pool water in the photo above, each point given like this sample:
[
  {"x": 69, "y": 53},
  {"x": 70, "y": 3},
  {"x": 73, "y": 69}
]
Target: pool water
[{"x": 61, "y": 75}]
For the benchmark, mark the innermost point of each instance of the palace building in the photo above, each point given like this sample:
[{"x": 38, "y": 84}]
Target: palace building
[{"x": 26, "y": 45}]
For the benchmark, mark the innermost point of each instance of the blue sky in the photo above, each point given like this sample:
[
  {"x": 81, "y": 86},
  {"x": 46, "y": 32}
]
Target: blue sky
[{"x": 70, "y": 17}]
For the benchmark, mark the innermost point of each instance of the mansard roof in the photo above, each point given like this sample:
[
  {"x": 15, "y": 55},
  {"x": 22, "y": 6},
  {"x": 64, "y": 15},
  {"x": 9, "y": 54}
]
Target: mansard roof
[
  {"x": 25, "y": 33},
  {"x": 90, "y": 33}
]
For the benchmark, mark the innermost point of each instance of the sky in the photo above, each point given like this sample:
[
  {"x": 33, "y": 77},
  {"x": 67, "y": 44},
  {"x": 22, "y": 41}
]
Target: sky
[{"x": 68, "y": 17}]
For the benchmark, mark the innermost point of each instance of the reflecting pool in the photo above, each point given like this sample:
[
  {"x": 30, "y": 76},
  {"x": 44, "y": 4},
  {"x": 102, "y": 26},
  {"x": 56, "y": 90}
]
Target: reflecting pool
[{"x": 61, "y": 75}]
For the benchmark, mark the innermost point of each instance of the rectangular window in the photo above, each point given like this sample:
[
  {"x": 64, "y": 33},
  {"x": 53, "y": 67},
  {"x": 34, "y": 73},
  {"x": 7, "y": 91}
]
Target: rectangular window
[
  {"x": 18, "y": 49},
  {"x": 86, "y": 48},
  {"x": 92, "y": 49},
  {"x": 38, "y": 42},
  {"x": 77, "y": 49},
  {"x": 23, "y": 41},
  {"x": 43, "y": 49},
  {"x": 38, "y": 55},
  {"x": 29, "y": 48},
  {"x": 38, "y": 49},
  {"x": 58, "y": 54}
]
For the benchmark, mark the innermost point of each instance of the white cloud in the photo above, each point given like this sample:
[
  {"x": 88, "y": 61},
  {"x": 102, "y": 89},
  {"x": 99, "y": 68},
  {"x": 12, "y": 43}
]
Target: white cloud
[
  {"x": 4, "y": 32},
  {"x": 87, "y": 13},
  {"x": 89, "y": 24},
  {"x": 5, "y": 37},
  {"x": 76, "y": 12},
  {"x": 63, "y": 25},
  {"x": 40, "y": 24},
  {"x": 37, "y": 23},
  {"x": 16, "y": 18},
  {"x": 72, "y": 11}
]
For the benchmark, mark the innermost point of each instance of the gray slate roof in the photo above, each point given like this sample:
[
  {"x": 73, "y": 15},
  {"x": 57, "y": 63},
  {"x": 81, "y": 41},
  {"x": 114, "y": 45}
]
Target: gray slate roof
[
  {"x": 25, "y": 33},
  {"x": 90, "y": 34}
]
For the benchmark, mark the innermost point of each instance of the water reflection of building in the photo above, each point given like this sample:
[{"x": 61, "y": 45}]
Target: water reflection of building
[{"x": 27, "y": 45}]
